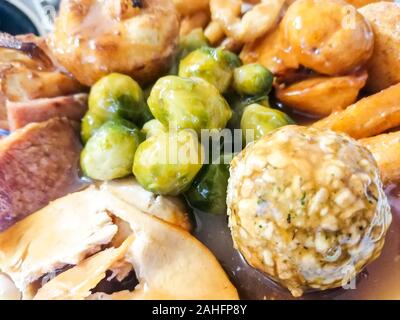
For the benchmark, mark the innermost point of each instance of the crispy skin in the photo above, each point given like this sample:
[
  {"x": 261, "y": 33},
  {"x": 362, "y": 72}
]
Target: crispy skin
[
  {"x": 384, "y": 65},
  {"x": 386, "y": 151},
  {"x": 22, "y": 113},
  {"x": 114, "y": 36},
  {"x": 367, "y": 117},
  {"x": 322, "y": 95},
  {"x": 38, "y": 163}
]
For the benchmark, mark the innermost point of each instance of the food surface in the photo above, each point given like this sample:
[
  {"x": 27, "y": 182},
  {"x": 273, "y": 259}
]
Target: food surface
[
  {"x": 307, "y": 205},
  {"x": 320, "y": 46},
  {"x": 95, "y": 38},
  {"x": 87, "y": 220},
  {"x": 205, "y": 149},
  {"x": 384, "y": 65},
  {"x": 21, "y": 114},
  {"x": 38, "y": 163}
]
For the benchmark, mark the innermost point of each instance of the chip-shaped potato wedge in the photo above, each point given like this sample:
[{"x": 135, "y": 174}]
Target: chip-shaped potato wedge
[
  {"x": 384, "y": 65},
  {"x": 322, "y": 95},
  {"x": 386, "y": 151},
  {"x": 367, "y": 117}
]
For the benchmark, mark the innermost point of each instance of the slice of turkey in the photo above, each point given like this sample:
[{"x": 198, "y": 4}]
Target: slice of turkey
[
  {"x": 168, "y": 261},
  {"x": 63, "y": 233},
  {"x": 169, "y": 209}
]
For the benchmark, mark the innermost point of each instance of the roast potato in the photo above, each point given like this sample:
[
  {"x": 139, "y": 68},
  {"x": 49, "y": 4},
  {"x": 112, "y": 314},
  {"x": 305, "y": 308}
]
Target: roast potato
[
  {"x": 386, "y": 151},
  {"x": 270, "y": 52},
  {"x": 322, "y": 95},
  {"x": 384, "y": 65},
  {"x": 327, "y": 36},
  {"x": 369, "y": 116},
  {"x": 93, "y": 38}
]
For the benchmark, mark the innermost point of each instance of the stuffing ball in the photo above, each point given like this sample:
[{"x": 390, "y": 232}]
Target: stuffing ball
[{"x": 307, "y": 207}]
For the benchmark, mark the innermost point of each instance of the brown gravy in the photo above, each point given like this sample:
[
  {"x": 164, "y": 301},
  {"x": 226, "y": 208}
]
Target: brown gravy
[{"x": 380, "y": 280}]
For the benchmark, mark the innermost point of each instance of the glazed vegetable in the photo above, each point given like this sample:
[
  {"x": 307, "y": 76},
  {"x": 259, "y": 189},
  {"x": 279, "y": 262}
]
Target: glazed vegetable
[
  {"x": 166, "y": 164},
  {"x": 194, "y": 40},
  {"x": 213, "y": 65},
  {"x": 118, "y": 95},
  {"x": 109, "y": 153},
  {"x": 90, "y": 124},
  {"x": 208, "y": 191},
  {"x": 239, "y": 104},
  {"x": 182, "y": 103},
  {"x": 260, "y": 120},
  {"x": 153, "y": 128},
  {"x": 252, "y": 79}
]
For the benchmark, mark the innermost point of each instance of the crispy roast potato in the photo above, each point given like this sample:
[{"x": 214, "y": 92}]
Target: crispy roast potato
[
  {"x": 19, "y": 83},
  {"x": 384, "y": 65},
  {"x": 270, "y": 52},
  {"x": 369, "y": 116},
  {"x": 186, "y": 7},
  {"x": 322, "y": 95},
  {"x": 361, "y": 3},
  {"x": 196, "y": 20},
  {"x": 386, "y": 151},
  {"x": 93, "y": 38},
  {"x": 28, "y": 72},
  {"x": 327, "y": 36}
]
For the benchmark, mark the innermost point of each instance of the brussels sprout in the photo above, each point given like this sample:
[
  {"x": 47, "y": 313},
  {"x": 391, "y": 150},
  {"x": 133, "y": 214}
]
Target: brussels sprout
[
  {"x": 192, "y": 41},
  {"x": 208, "y": 191},
  {"x": 118, "y": 95},
  {"x": 181, "y": 103},
  {"x": 252, "y": 79},
  {"x": 213, "y": 65},
  {"x": 153, "y": 128},
  {"x": 167, "y": 163},
  {"x": 90, "y": 124},
  {"x": 109, "y": 153},
  {"x": 239, "y": 104},
  {"x": 262, "y": 120}
]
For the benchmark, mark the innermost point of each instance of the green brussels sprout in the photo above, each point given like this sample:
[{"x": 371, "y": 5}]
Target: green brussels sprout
[
  {"x": 153, "y": 128},
  {"x": 239, "y": 104},
  {"x": 109, "y": 153},
  {"x": 192, "y": 41},
  {"x": 187, "y": 44},
  {"x": 118, "y": 95},
  {"x": 167, "y": 163},
  {"x": 182, "y": 103},
  {"x": 262, "y": 120},
  {"x": 90, "y": 124},
  {"x": 252, "y": 79},
  {"x": 213, "y": 65},
  {"x": 208, "y": 191}
]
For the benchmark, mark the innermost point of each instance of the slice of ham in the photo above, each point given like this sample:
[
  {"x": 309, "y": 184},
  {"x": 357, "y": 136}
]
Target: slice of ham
[
  {"x": 38, "y": 164},
  {"x": 22, "y": 113}
]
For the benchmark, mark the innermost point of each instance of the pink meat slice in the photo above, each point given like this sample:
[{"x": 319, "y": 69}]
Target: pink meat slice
[
  {"x": 20, "y": 114},
  {"x": 38, "y": 164}
]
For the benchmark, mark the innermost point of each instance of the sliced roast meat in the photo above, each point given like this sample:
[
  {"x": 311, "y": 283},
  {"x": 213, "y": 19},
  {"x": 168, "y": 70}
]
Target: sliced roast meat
[
  {"x": 22, "y": 113},
  {"x": 38, "y": 164}
]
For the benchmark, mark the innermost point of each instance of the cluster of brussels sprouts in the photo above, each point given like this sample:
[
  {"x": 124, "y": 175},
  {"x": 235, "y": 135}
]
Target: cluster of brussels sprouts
[{"x": 165, "y": 155}]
